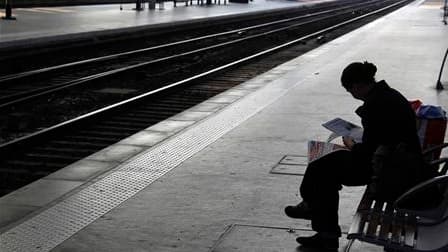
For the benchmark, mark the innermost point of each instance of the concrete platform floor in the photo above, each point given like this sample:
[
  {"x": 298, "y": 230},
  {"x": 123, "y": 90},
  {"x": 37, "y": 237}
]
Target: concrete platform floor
[
  {"x": 209, "y": 186},
  {"x": 47, "y": 24}
]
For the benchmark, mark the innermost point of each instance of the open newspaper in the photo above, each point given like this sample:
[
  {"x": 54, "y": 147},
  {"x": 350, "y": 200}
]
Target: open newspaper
[
  {"x": 338, "y": 127},
  {"x": 318, "y": 149}
]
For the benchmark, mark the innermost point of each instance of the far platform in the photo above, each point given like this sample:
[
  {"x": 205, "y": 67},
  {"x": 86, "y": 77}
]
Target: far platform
[
  {"x": 221, "y": 181},
  {"x": 38, "y": 25}
]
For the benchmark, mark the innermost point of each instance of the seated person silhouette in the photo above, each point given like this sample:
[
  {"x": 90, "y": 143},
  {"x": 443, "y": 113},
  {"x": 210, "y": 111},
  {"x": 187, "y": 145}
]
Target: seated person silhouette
[{"x": 387, "y": 119}]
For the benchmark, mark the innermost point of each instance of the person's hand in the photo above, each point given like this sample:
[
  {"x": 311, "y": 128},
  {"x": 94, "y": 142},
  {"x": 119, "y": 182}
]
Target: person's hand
[{"x": 348, "y": 142}]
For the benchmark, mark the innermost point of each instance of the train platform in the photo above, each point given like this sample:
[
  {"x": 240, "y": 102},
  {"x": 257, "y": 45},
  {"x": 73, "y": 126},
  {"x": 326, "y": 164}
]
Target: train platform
[
  {"x": 217, "y": 177},
  {"x": 37, "y": 26}
]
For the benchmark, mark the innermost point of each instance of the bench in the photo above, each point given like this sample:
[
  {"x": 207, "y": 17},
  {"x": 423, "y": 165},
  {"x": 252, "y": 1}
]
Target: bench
[
  {"x": 400, "y": 228},
  {"x": 198, "y": 2},
  {"x": 176, "y": 1},
  {"x": 219, "y": 1}
]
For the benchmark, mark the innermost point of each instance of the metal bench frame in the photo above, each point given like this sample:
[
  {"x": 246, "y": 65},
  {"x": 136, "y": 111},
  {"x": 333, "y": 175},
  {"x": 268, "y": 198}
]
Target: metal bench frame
[{"x": 396, "y": 228}]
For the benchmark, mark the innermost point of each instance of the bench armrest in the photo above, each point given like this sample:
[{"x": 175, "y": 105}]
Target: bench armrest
[
  {"x": 435, "y": 211},
  {"x": 434, "y": 148},
  {"x": 438, "y": 162}
]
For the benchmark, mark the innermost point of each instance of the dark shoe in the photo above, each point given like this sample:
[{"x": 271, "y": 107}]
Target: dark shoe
[
  {"x": 329, "y": 242},
  {"x": 301, "y": 211}
]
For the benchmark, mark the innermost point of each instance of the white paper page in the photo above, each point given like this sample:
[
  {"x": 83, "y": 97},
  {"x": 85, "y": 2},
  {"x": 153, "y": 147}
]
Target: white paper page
[{"x": 341, "y": 127}]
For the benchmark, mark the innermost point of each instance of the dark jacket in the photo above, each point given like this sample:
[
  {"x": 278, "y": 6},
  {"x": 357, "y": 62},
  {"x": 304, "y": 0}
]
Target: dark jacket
[{"x": 388, "y": 120}]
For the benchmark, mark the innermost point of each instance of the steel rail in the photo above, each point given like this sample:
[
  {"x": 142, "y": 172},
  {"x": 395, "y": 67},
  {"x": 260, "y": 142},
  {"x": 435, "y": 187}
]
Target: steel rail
[
  {"x": 83, "y": 80},
  {"x": 45, "y": 132},
  {"x": 118, "y": 55}
]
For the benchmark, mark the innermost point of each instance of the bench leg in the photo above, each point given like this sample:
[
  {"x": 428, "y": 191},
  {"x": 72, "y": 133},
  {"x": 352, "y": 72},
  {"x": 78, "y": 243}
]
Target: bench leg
[{"x": 349, "y": 245}]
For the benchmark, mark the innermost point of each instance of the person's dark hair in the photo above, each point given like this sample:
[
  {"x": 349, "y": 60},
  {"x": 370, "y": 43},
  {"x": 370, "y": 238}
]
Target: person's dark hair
[{"x": 358, "y": 72}]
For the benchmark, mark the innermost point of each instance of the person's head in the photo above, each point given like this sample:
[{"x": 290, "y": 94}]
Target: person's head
[{"x": 358, "y": 78}]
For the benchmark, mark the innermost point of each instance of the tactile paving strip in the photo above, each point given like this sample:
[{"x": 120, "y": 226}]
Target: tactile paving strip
[{"x": 52, "y": 226}]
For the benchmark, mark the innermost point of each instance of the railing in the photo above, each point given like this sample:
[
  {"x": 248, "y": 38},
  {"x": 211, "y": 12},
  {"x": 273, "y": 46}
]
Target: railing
[
  {"x": 439, "y": 82},
  {"x": 445, "y": 12}
]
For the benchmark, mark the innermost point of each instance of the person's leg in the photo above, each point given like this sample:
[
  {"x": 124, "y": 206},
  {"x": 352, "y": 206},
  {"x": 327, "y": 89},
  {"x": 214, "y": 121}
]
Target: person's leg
[
  {"x": 320, "y": 190},
  {"x": 315, "y": 185}
]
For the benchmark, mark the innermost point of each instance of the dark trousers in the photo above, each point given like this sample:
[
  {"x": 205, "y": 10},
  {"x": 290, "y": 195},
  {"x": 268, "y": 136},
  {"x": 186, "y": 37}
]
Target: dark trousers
[{"x": 322, "y": 181}]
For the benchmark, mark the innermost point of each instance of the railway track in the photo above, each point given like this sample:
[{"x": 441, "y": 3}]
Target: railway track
[
  {"x": 20, "y": 87},
  {"x": 73, "y": 89},
  {"x": 35, "y": 155},
  {"x": 16, "y": 60}
]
